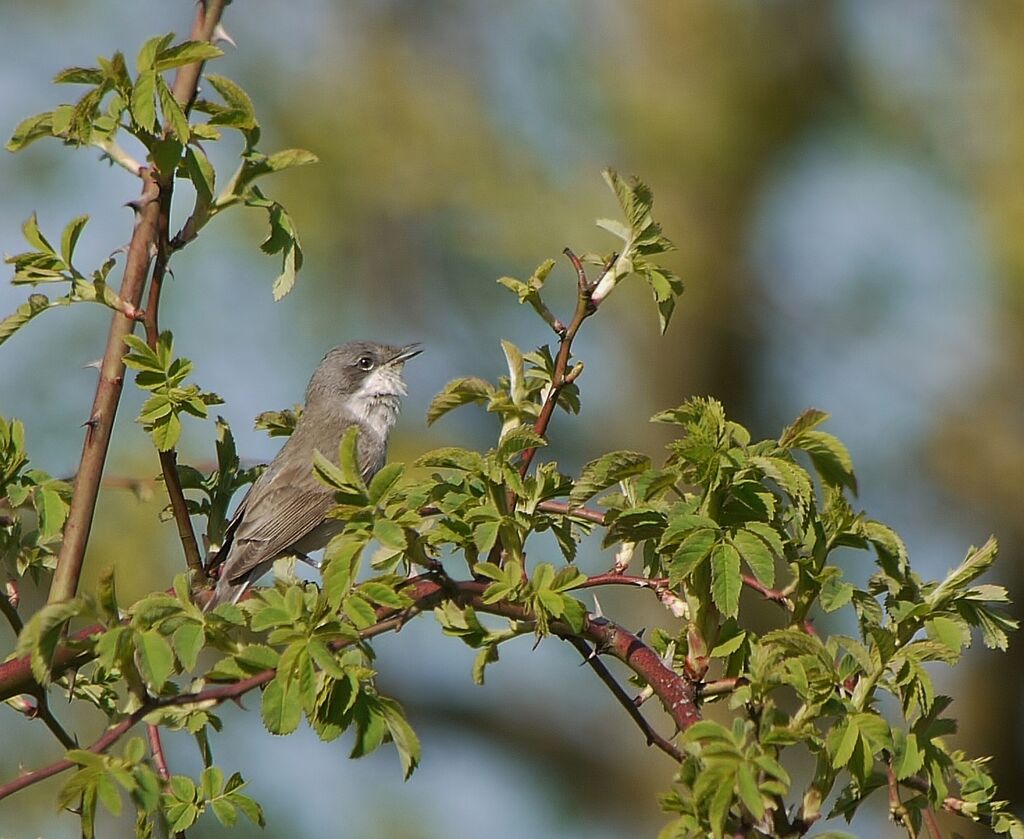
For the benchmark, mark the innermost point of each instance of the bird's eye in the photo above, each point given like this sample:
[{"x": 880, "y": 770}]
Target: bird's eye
[{"x": 365, "y": 362}]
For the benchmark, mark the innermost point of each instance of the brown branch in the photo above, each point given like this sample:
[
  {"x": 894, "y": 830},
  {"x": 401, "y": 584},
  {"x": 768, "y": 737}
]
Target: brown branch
[
  {"x": 721, "y": 687},
  {"x": 100, "y": 423},
  {"x": 678, "y": 694},
  {"x": 897, "y": 810},
  {"x": 653, "y": 738},
  {"x": 151, "y": 321},
  {"x": 13, "y": 618},
  {"x": 156, "y": 748},
  {"x": 561, "y": 377},
  {"x": 931, "y": 823}
]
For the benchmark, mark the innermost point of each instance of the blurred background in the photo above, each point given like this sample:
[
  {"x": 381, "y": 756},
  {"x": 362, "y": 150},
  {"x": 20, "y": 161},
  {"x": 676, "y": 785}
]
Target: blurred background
[{"x": 842, "y": 180}]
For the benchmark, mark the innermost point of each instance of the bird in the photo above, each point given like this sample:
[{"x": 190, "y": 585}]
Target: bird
[{"x": 285, "y": 511}]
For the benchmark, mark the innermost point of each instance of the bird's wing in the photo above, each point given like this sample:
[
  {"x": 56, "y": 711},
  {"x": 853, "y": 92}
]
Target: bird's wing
[{"x": 284, "y": 505}]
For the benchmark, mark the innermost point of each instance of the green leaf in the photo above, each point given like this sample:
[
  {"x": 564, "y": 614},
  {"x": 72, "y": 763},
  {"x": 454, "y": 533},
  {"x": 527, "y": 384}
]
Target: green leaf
[
  {"x": 174, "y": 115},
  {"x": 187, "y": 52},
  {"x": 452, "y": 458},
  {"x": 146, "y": 59},
  {"x": 41, "y": 634},
  {"x": 166, "y": 432},
  {"x": 389, "y": 534},
  {"x": 756, "y": 555},
  {"x": 384, "y": 595},
  {"x": 52, "y": 512},
  {"x": 519, "y": 439},
  {"x": 69, "y": 238},
  {"x": 459, "y": 392},
  {"x": 605, "y": 471},
  {"x": 341, "y": 562},
  {"x": 29, "y": 130},
  {"x": 143, "y": 104},
  {"x": 384, "y": 481},
  {"x": 847, "y": 740},
  {"x": 360, "y": 612},
  {"x": 156, "y": 659},
  {"x": 36, "y": 304},
  {"x": 188, "y": 640},
  {"x": 691, "y": 553},
  {"x": 402, "y": 735},
  {"x": 726, "y": 580},
  {"x": 282, "y": 706},
  {"x": 830, "y": 458}
]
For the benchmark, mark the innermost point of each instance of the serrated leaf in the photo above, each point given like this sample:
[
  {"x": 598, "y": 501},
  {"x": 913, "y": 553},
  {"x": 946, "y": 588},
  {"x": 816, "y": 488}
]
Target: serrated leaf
[
  {"x": 384, "y": 595},
  {"x": 69, "y": 238},
  {"x": 282, "y": 707},
  {"x": 605, "y": 471},
  {"x": 187, "y": 52},
  {"x": 830, "y": 458},
  {"x": 402, "y": 735},
  {"x": 188, "y": 640},
  {"x": 726, "y": 581},
  {"x": 693, "y": 550},
  {"x": 41, "y": 634},
  {"x": 452, "y": 458},
  {"x": 384, "y": 481},
  {"x": 359, "y": 611},
  {"x": 143, "y": 104},
  {"x": 457, "y": 392},
  {"x": 156, "y": 659},
  {"x": 389, "y": 534},
  {"x": 756, "y": 555},
  {"x": 519, "y": 439}
]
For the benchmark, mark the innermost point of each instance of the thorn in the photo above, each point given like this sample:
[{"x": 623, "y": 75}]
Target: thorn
[
  {"x": 92, "y": 422},
  {"x": 597, "y": 607},
  {"x": 640, "y": 632},
  {"x": 221, "y": 34},
  {"x": 96, "y": 365}
]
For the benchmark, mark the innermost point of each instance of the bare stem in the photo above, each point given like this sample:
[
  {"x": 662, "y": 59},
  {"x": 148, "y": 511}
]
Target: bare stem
[
  {"x": 653, "y": 738},
  {"x": 100, "y": 422}
]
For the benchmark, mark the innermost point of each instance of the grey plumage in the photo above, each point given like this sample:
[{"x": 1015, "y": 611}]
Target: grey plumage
[{"x": 359, "y": 383}]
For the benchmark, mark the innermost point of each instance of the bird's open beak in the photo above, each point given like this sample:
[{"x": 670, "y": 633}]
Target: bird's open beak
[{"x": 405, "y": 353}]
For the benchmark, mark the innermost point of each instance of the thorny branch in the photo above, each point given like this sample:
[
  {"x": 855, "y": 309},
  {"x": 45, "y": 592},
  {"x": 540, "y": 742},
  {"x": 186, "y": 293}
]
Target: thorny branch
[
  {"x": 100, "y": 423},
  {"x": 653, "y": 738}
]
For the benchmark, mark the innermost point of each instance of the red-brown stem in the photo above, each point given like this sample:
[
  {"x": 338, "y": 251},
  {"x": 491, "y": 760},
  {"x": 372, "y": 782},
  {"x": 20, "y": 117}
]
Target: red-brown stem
[
  {"x": 156, "y": 748},
  {"x": 584, "y": 309},
  {"x": 169, "y": 458},
  {"x": 677, "y": 694},
  {"x": 100, "y": 423},
  {"x": 104, "y": 407},
  {"x": 931, "y": 823},
  {"x": 653, "y": 738}
]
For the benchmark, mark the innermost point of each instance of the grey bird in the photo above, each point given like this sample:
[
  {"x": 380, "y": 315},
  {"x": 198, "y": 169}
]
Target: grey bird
[{"x": 284, "y": 513}]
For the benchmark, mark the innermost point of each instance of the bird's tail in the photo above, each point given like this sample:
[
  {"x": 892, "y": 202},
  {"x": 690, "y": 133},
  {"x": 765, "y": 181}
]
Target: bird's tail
[{"x": 227, "y": 591}]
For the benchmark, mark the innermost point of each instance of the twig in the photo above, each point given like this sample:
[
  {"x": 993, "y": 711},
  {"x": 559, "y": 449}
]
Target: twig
[
  {"x": 653, "y": 738},
  {"x": 169, "y": 458},
  {"x": 100, "y": 423},
  {"x": 720, "y": 687},
  {"x": 931, "y": 823},
  {"x": 156, "y": 748},
  {"x": 562, "y": 508},
  {"x": 13, "y": 618},
  {"x": 561, "y": 376},
  {"x": 113, "y": 152},
  {"x": 897, "y": 810},
  {"x": 51, "y": 722}
]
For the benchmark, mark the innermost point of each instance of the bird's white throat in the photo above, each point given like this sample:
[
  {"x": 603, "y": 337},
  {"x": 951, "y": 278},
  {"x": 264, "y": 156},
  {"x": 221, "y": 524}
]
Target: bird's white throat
[{"x": 377, "y": 402}]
